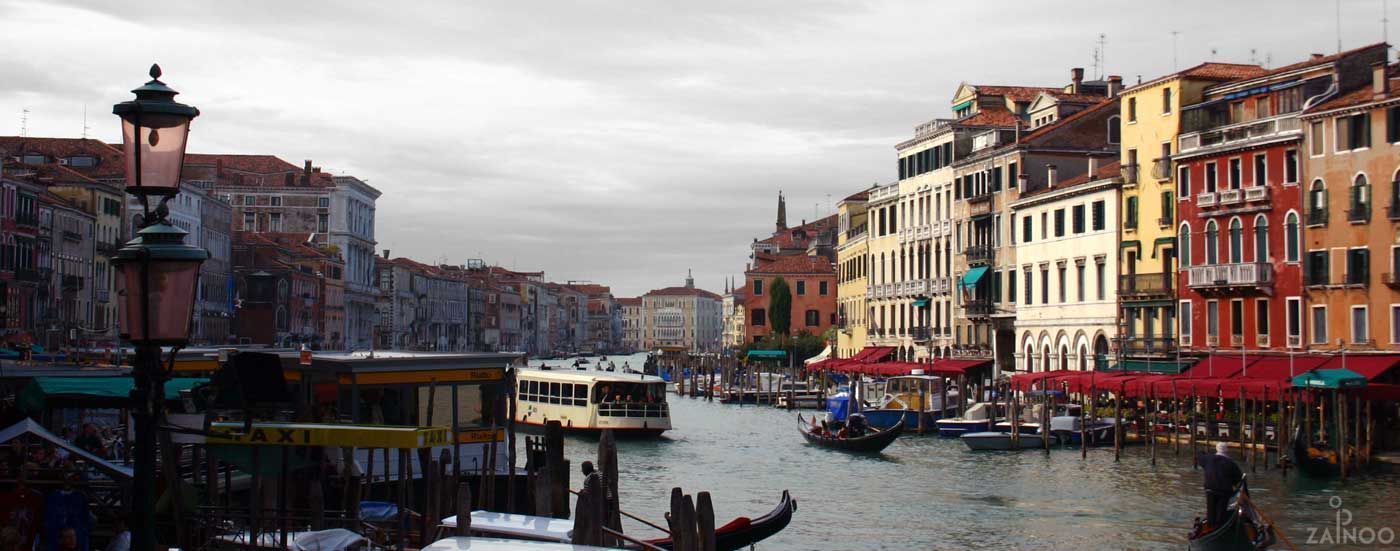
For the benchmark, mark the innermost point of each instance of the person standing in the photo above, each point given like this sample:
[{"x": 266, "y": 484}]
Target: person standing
[{"x": 1221, "y": 475}]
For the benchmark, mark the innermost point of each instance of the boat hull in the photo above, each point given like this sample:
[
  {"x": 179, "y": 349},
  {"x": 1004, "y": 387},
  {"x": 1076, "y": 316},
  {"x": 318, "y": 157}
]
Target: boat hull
[
  {"x": 953, "y": 428},
  {"x": 1230, "y": 537},
  {"x": 742, "y": 533},
  {"x": 619, "y": 432},
  {"x": 1001, "y": 441},
  {"x": 886, "y": 418},
  {"x": 871, "y": 443}
]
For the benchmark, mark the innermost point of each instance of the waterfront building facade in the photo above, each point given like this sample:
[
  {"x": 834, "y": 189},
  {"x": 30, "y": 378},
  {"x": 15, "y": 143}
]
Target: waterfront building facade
[
  {"x": 1239, "y": 170},
  {"x": 632, "y": 325},
  {"x": 351, "y": 225},
  {"x": 811, "y": 282},
  {"x": 1352, "y": 252},
  {"x": 852, "y": 263},
  {"x": 1150, "y": 121},
  {"x": 682, "y": 318},
  {"x": 1068, "y": 315}
]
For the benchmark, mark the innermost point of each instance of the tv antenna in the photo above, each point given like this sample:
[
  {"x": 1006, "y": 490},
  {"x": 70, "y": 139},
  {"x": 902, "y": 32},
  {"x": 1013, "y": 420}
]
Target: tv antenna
[
  {"x": 1099, "y": 57},
  {"x": 1175, "y": 34},
  {"x": 85, "y": 124},
  {"x": 24, "y": 122}
]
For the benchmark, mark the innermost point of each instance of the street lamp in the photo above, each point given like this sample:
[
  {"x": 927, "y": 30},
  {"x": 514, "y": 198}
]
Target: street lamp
[{"x": 157, "y": 274}]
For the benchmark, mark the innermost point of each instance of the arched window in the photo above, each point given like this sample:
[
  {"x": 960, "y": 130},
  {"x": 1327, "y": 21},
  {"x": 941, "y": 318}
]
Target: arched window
[
  {"x": 281, "y": 318},
  {"x": 1100, "y": 352},
  {"x": 1212, "y": 243},
  {"x": 1030, "y": 358},
  {"x": 1083, "y": 358},
  {"x": 1291, "y": 237},
  {"x": 1183, "y": 244},
  {"x": 282, "y": 290},
  {"x": 1360, "y": 210},
  {"x": 1236, "y": 241},
  {"x": 1261, "y": 239},
  {"x": 1317, "y": 203},
  {"x": 1115, "y": 130}
]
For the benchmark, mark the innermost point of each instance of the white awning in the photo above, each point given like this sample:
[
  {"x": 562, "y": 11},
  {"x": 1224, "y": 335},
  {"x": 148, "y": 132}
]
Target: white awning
[
  {"x": 826, "y": 353},
  {"x": 30, "y": 426}
]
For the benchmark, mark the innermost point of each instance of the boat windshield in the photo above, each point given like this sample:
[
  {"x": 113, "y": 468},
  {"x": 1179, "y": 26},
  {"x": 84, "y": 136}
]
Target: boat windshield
[{"x": 634, "y": 393}]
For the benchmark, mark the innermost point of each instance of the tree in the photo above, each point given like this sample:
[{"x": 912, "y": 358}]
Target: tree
[{"x": 780, "y": 306}]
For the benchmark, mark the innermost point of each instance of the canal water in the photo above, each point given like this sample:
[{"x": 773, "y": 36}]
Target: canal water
[{"x": 926, "y": 492}]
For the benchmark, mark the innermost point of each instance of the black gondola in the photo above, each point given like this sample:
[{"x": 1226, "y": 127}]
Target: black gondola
[
  {"x": 1313, "y": 461},
  {"x": 743, "y": 532},
  {"x": 1244, "y": 530},
  {"x": 870, "y": 443}
]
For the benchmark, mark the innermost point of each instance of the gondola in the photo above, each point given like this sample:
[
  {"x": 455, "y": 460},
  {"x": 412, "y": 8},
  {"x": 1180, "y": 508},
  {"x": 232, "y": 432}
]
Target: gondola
[
  {"x": 1312, "y": 461},
  {"x": 743, "y": 532},
  {"x": 1246, "y": 529},
  {"x": 870, "y": 443}
]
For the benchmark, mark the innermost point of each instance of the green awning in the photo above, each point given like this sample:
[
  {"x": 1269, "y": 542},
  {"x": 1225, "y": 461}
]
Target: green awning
[
  {"x": 920, "y": 302},
  {"x": 1130, "y": 244},
  {"x": 967, "y": 103},
  {"x": 94, "y": 390},
  {"x": 1159, "y": 242},
  {"x": 972, "y": 276},
  {"x": 767, "y": 354},
  {"x": 1330, "y": 378}
]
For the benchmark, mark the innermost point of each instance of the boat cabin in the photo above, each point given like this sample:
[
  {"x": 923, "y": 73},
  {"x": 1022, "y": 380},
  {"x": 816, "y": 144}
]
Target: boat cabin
[{"x": 592, "y": 400}]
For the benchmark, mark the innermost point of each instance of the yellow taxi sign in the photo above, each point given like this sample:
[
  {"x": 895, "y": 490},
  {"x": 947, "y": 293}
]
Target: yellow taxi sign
[{"x": 315, "y": 434}]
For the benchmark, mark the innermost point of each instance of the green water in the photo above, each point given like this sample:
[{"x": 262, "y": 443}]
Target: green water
[{"x": 926, "y": 492}]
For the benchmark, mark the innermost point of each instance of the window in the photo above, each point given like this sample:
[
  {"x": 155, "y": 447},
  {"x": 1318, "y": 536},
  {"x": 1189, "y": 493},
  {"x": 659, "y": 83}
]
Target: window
[
  {"x": 274, "y": 221},
  {"x": 1212, "y": 243},
  {"x": 1261, "y": 170},
  {"x": 1212, "y": 318},
  {"x": 1115, "y": 130},
  {"x": 1077, "y": 219},
  {"x": 822, "y": 288},
  {"x": 1059, "y": 222},
  {"x": 1319, "y": 325},
  {"x": 1353, "y": 132},
  {"x": 1130, "y": 218},
  {"x": 274, "y": 201},
  {"x": 1166, "y": 101},
  {"x": 1045, "y": 285},
  {"x": 1029, "y": 294},
  {"x": 1168, "y": 209},
  {"x": 323, "y": 223},
  {"x": 1317, "y": 268},
  {"x": 1360, "y": 200},
  {"x": 1183, "y": 244},
  {"x": 1185, "y": 320},
  {"x": 1237, "y": 320},
  {"x": 1132, "y": 109},
  {"x": 1079, "y": 278},
  {"x": 1064, "y": 283},
  {"x": 1099, "y": 278},
  {"x": 1183, "y": 182},
  {"x": 1358, "y": 266},
  {"x": 1011, "y": 286},
  {"x": 1315, "y": 136},
  {"x": 1026, "y": 230},
  {"x": 801, "y": 287},
  {"x": 1294, "y": 306},
  {"x": 1044, "y": 225},
  {"x": 1210, "y": 178},
  {"x": 813, "y": 318},
  {"x": 759, "y": 317},
  {"x": 1395, "y": 324},
  {"x": 249, "y": 200},
  {"x": 1234, "y": 176},
  {"x": 250, "y": 222},
  {"x": 1261, "y": 316},
  {"x": 1261, "y": 107},
  {"x": 1097, "y": 214},
  {"x": 1317, "y": 203},
  {"x": 1360, "y": 332},
  {"x": 1291, "y": 236},
  {"x": 1261, "y": 239},
  {"x": 1290, "y": 166},
  {"x": 1236, "y": 241},
  {"x": 1237, "y": 112},
  {"x": 757, "y": 287}
]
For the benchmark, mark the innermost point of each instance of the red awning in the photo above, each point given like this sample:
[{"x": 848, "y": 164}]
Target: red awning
[
  {"x": 1380, "y": 391},
  {"x": 872, "y": 354},
  {"x": 1025, "y": 381},
  {"x": 1372, "y": 366},
  {"x": 829, "y": 363}
]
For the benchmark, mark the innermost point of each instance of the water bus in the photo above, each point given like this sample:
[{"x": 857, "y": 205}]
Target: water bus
[{"x": 590, "y": 401}]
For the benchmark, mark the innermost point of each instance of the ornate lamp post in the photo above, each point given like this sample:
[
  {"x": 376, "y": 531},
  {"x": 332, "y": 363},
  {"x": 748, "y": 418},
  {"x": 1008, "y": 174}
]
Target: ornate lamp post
[{"x": 157, "y": 274}]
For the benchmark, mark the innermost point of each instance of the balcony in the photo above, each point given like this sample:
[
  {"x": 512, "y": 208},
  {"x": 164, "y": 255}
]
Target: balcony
[
  {"x": 1358, "y": 279},
  {"x": 980, "y": 198},
  {"x": 107, "y": 249},
  {"x": 26, "y": 274},
  {"x": 980, "y": 254},
  {"x": 947, "y": 227},
  {"x": 1317, "y": 217},
  {"x": 1147, "y": 286},
  {"x": 1207, "y": 199},
  {"x": 70, "y": 235},
  {"x": 856, "y": 231},
  {"x": 102, "y": 295},
  {"x": 1244, "y": 276},
  {"x": 1162, "y": 168},
  {"x": 72, "y": 283},
  {"x": 920, "y": 334},
  {"x": 1240, "y": 134},
  {"x": 1359, "y": 213},
  {"x": 1230, "y": 197},
  {"x": 869, "y": 292},
  {"x": 1295, "y": 341},
  {"x": 941, "y": 285},
  {"x": 925, "y": 232},
  {"x": 1164, "y": 221},
  {"x": 917, "y": 287},
  {"x": 1256, "y": 193},
  {"x": 1390, "y": 280},
  {"x": 1146, "y": 346},
  {"x": 1130, "y": 175},
  {"x": 979, "y": 308}
]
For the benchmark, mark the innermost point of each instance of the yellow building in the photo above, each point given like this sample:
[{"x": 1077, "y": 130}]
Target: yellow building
[
  {"x": 852, "y": 262},
  {"x": 1151, "y": 115}
]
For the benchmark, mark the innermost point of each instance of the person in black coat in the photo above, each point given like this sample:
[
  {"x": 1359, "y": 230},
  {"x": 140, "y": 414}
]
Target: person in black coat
[{"x": 1222, "y": 474}]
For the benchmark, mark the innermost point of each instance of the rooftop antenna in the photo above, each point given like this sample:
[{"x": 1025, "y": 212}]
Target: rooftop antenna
[
  {"x": 1339, "y": 26},
  {"x": 1253, "y": 59},
  {"x": 24, "y": 122},
  {"x": 85, "y": 124},
  {"x": 1175, "y": 34},
  {"x": 1102, "y": 54},
  {"x": 1212, "y": 54},
  {"x": 1385, "y": 24}
]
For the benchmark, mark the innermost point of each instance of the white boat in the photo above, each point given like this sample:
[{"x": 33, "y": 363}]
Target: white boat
[
  {"x": 591, "y": 401},
  {"x": 984, "y": 441},
  {"x": 978, "y": 418},
  {"x": 527, "y": 527},
  {"x": 461, "y": 543}
]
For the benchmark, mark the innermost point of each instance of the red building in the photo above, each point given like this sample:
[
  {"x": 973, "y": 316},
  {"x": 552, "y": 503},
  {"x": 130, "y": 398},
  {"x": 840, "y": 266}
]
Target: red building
[
  {"x": 811, "y": 280},
  {"x": 1240, "y": 202},
  {"x": 281, "y": 288}
]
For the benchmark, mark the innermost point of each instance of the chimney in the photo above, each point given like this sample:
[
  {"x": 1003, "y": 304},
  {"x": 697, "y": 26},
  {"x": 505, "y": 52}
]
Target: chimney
[
  {"x": 1093, "y": 167},
  {"x": 1115, "y": 85},
  {"x": 290, "y": 180},
  {"x": 1315, "y": 56},
  {"x": 219, "y": 168},
  {"x": 1051, "y": 174},
  {"x": 306, "y": 174},
  {"x": 1076, "y": 77},
  {"x": 386, "y": 254},
  {"x": 1380, "y": 82}
]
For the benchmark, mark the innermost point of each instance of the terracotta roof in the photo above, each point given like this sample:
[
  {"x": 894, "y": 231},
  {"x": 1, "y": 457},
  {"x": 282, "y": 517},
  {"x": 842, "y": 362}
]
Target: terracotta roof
[
  {"x": 1319, "y": 60},
  {"x": 989, "y": 118},
  {"x": 293, "y": 243},
  {"x": 1222, "y": 71},
  {"x": 255, "y": 164},
  {"x": 1362, "y": 95},
  {"x": 1110, "y": 170},
  {"x": 1064, "y": 96},
  {"x": 795, "y": 264},
  {"x": 110, "y": 163},
  {"x": 682, "y": 291},
  {"x": 630, "y": 301},
  {"x": 789, "y": 239},
  {"x": 1013, "y": 93},
  {"x": 861, "y": 195},
  {"x": 1104, "y": 103}
]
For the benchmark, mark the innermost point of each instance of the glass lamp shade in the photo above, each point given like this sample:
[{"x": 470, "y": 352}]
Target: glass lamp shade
[
  {"x": 155, "y": 152},
  {"x": 157, "y": 277},
  {"x": 155, "y": 129}
]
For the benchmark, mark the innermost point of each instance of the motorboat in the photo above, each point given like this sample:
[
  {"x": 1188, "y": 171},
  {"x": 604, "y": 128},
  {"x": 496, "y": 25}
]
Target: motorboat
[
  {"x": 978, "y": 418},
  {"x": 912, "y": 398},
  {"x": 1071, "y": 430},
  {"x": 1002, "y": 441}
]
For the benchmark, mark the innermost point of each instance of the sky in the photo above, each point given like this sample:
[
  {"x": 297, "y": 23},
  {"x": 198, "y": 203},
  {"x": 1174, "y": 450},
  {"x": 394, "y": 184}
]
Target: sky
[{"x": 621, "y": 143}]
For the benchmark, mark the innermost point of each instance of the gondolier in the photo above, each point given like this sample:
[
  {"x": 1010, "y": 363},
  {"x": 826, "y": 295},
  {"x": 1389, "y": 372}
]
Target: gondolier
[{"x": 1221, "y": 475}]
